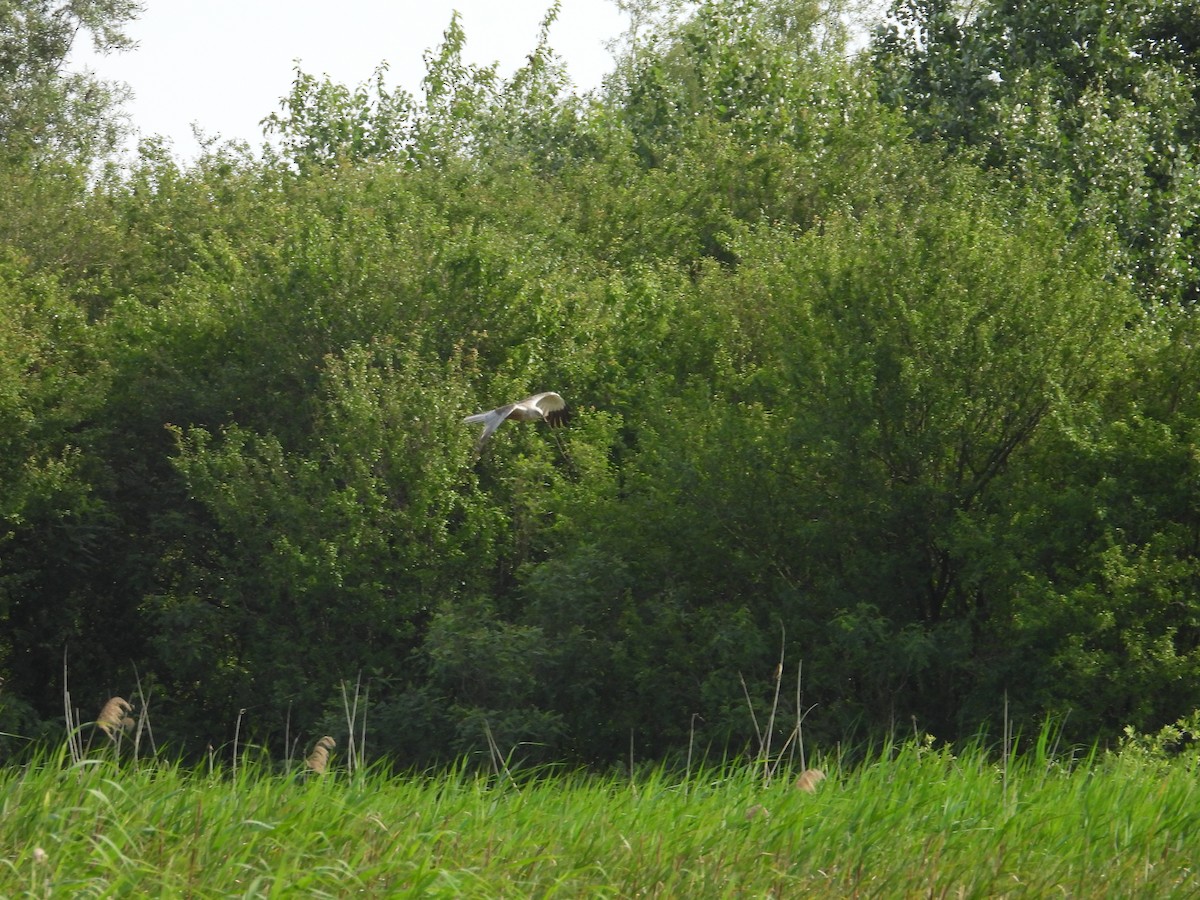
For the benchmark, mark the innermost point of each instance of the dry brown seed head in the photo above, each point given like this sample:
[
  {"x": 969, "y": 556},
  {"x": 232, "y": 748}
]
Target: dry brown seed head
[
  {"x": 319, "y": 758},
  {"x": 809, "y": 779},
  {"x": 114, "y": 716}
]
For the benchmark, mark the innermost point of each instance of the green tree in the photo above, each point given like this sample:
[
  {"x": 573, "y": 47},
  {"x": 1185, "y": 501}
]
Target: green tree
[
  {"x": 326, "y": 123},
  {"x": 44, "y": 109},
  {"x": 832, "y": 387},
  {"x": 879, "y": 385},
  {"x": 1104, "y": 594},
  {"x": 1095, "y": 105},
  {"x": 54, "y": 522},
  {"x": 58, "y": 131},
  {"x": 315, "y": 564},
  {"x": 1096, "y": 101}
]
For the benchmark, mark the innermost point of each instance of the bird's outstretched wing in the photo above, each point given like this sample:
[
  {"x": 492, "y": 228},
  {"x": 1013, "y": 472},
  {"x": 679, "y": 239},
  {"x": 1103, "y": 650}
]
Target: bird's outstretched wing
[{"x": 553, "y": 407}]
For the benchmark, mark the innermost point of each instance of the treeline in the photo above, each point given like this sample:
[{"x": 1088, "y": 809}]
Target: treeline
[{"x": 885, "y": 365}]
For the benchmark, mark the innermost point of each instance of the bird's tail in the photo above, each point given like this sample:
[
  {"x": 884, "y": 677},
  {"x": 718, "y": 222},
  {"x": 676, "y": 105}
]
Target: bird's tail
[{"x": 490, "y": 420}]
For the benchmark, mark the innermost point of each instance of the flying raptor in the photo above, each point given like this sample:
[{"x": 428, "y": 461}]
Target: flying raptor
[{"x": 548, "y": 407}]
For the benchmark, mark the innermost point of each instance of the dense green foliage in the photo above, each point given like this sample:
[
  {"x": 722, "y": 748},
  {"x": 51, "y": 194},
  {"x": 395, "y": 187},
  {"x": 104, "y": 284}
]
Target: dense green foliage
[
  {"x": 888, "y": 361},
  {"x": 908, "y": 821}
]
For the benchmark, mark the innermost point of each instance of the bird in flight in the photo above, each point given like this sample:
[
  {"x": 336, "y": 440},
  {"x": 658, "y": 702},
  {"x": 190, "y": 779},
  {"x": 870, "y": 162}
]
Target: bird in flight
[{"x": 548, "y": 407}]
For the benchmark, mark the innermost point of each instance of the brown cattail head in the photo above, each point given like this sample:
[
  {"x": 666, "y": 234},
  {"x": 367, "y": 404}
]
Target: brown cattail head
[
  {"x": 809, "y": 779},
  {"x": 114, "y": 717},
  {"x": 319, "y": 758}
]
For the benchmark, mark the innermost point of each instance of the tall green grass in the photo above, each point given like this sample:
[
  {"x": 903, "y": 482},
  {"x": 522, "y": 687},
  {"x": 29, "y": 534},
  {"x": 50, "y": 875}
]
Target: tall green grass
[{"x": 908, "y": 821}]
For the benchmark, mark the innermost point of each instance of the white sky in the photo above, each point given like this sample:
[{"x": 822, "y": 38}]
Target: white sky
[{"x": 224, "y": 64}]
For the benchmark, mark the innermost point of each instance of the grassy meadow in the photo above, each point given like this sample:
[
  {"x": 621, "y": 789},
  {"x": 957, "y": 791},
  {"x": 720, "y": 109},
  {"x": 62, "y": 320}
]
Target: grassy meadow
[{"x": 908, "y": 821}]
